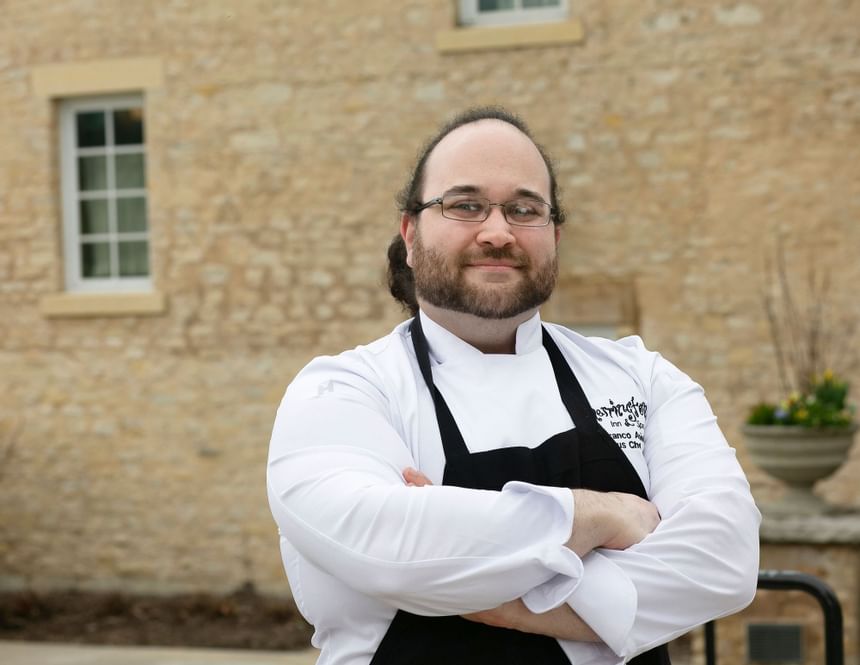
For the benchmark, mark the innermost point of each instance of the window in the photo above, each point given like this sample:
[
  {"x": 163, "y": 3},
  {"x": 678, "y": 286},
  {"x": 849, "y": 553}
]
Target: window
[
  {"x": 105, "y": 220},
  {"x": 506, "y": 12},
  {"x": 595, "y": 305}
]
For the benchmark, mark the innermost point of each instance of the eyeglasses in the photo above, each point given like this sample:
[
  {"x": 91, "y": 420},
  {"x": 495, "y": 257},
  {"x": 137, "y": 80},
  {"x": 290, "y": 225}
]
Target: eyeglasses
[{"x": 469, "y": 208}]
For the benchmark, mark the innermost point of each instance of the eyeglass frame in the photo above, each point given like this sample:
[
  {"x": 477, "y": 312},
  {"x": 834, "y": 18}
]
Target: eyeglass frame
[{"x": 438, "y": 201}]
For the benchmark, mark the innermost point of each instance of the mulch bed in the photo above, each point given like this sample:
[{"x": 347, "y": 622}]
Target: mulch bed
[{"x": 241, "y": 620}]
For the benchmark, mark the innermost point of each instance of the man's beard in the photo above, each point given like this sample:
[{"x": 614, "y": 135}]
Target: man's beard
[{"x": 445, "y": 285}]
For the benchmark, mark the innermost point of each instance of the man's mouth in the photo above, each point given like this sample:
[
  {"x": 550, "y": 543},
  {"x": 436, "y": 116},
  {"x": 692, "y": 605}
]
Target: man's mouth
[
  {"x": 488, "y": 260},
  {"x": 494, "y": 266}
]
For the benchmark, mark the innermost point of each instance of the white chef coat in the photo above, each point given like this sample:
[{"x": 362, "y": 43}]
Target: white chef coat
[{"x": 358, "y": 544}]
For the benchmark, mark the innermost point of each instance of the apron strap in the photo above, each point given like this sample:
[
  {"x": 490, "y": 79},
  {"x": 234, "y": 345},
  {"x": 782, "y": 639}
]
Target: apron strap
[
  {"x": 572, "y": 395},
  {"x": 452, "y": 441}
]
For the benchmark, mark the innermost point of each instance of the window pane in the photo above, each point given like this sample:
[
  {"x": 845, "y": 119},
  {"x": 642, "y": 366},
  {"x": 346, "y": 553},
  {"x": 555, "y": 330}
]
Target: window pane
[
  {"x": 494, "y": 5},
  {"x": 92, "y": 173},
  {"x": 134, "y": 258},
  {"x": 128, "y": 127},
  {"x": 94, "y": 216},
  {"x": 129, "y": 171},
  {"x": 527, "y": 4},
  {"x": 91, "y": 129},
  {"x": 131, "y": 214},
  {"x": 95, "y": 259}
]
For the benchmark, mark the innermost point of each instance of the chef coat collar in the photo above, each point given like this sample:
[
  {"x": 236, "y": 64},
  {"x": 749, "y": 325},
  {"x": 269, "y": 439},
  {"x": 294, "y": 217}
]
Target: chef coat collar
[{"x": 446, "y": 346}]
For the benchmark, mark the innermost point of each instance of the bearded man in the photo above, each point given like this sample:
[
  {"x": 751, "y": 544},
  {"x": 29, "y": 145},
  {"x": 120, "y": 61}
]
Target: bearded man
[{"x": 482, "y": 487}]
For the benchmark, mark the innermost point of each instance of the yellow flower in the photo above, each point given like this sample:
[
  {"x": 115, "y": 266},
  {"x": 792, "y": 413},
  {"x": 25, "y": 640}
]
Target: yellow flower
[
  {"x": 828, "y": 375},
  {"x": 801, "y": 414}
]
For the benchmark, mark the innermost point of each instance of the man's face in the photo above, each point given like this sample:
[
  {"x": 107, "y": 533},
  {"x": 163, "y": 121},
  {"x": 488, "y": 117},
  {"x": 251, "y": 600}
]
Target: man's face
[{"x": 490, "y": 269}]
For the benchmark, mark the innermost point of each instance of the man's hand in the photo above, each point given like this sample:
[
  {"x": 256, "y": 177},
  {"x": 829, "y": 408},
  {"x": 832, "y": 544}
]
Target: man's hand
[
  {"x": 561, "y": 623},
  {"x": 614, "y": 520},
  {"x": 415, "y": 478},
  {"x": 506, "y": 615}
]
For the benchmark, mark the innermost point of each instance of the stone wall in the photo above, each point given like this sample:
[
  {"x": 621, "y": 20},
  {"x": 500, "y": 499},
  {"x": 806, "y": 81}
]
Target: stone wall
[{"x": 687, "y": 136}]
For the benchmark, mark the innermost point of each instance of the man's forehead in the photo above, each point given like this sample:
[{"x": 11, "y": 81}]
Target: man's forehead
[{"x": 483, "y": 149}]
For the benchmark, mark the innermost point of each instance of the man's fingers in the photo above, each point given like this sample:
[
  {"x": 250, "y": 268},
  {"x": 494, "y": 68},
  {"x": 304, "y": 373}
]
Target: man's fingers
[
  {"x": 636, "y": 518},
  {"x": 415, "y": 478},
  {"x": 615, "y": 520}
]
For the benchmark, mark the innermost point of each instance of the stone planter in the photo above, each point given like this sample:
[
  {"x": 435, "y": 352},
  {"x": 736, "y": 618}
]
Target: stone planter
[{"x": 799, "y": 456}]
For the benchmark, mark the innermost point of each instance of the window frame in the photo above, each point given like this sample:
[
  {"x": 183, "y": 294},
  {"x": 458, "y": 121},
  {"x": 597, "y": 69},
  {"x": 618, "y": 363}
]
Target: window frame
[
  {"x": 75, "y": 282},
  {"x": 471, "y": 16}
]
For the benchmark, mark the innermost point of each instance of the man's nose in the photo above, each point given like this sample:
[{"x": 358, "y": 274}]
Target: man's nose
[{"x": 495, "y": 230}]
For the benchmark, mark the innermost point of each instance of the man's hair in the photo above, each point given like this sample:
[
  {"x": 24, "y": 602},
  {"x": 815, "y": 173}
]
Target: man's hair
[{"x": 400, "y": 279}]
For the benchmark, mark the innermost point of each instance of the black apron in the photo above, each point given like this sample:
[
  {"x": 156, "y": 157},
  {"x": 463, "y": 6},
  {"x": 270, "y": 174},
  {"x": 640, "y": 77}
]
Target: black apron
[{"x": 582, "y": 457}]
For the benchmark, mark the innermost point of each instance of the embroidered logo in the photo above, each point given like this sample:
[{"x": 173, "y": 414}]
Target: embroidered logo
[{"x": 625, "y": 422}]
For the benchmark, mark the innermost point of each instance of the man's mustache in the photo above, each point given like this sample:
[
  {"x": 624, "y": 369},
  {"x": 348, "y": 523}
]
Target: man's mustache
[{"x": 496, "y": 254}]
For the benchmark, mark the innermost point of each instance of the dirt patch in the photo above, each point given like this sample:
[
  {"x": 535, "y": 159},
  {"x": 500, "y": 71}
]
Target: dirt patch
[{"x": 241, "y": 620}]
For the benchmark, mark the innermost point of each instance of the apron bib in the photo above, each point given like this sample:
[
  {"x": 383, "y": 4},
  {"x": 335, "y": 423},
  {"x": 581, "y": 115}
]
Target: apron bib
[{"x": 582, "y": 457}]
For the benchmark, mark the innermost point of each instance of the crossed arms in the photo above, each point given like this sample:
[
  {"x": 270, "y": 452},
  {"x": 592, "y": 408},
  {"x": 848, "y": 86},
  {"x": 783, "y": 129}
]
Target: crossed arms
[
  {"x": 613, "y": 520},
  {"x": 576, "y": 565}
]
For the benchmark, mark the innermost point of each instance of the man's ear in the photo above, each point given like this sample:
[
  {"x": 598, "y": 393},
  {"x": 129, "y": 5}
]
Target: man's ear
[
  {"x": 557, "y": 233},
  {"x": 407, "y": 232}
]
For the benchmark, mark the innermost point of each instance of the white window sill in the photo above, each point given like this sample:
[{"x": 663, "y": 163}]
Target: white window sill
[
  {"x": 509, "y": 36},
  {"x": 82, "y": 305},
  {"x": 96, "y": 77}
]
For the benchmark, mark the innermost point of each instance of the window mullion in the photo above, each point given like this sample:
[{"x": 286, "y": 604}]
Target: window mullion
[
  {"x": 111, "y": 193},
  {"x": 128, "y": 149},
  {"x": 100, "y": 194}
]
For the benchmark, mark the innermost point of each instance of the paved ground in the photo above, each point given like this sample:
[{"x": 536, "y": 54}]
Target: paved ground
[{"x": 41, "y": 653}]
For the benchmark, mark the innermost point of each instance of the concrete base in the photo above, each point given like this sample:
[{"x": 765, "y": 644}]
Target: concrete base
[{"x": 43, "y": 653}]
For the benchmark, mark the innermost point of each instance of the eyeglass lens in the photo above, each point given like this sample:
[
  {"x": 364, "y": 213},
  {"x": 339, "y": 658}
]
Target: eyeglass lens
[{"x": 522, "y": 211}]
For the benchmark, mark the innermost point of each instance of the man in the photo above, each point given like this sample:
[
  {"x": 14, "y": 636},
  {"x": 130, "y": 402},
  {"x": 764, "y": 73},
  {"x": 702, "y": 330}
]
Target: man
[{"x": 451, "y": 493}]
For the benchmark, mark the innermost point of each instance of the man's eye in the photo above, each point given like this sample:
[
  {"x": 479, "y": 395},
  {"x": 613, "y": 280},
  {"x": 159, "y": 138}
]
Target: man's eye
[
  {"x": 523, "y": 209},
  {"x": 466, "y": 206}
]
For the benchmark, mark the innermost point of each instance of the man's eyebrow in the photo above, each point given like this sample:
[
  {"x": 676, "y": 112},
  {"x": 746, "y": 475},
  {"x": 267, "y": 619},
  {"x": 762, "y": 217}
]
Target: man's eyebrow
[
  {"x": 462, "y": 189},
  {"x": 520, "y": 192},
  {"x": 529, "y": 194}
]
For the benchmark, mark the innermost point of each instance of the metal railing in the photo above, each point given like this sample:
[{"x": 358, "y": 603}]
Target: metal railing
[{"x": 789, "y": 580}]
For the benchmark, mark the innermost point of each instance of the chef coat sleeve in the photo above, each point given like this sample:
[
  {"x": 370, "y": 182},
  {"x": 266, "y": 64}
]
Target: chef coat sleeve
[
  {"x": 336, "y": 492},
  {"x": 702, "y": 560}
]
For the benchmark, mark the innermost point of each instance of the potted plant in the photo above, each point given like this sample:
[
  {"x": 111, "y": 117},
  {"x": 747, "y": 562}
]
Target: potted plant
[{"x": 807, "y": 435}]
